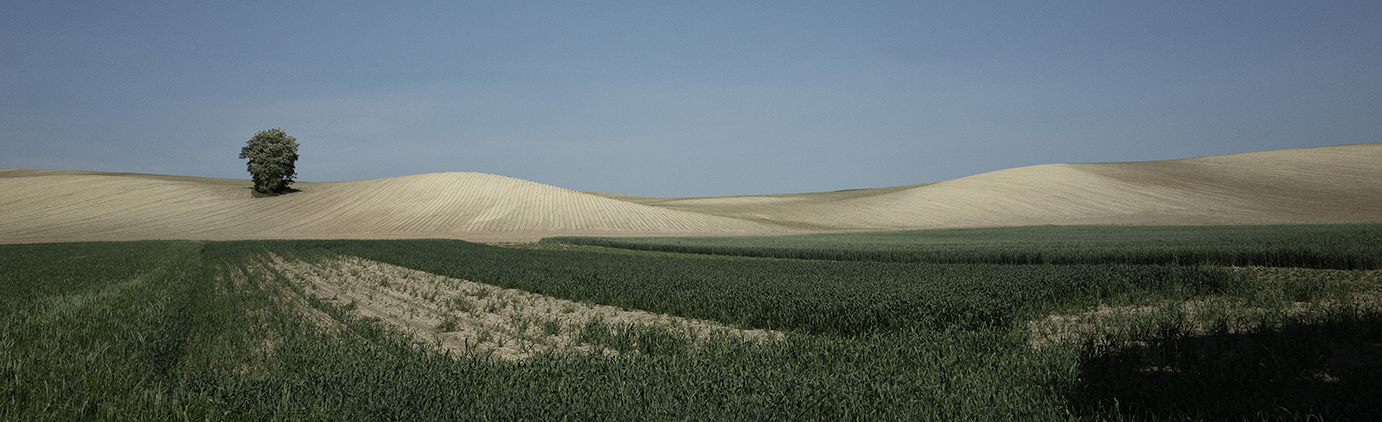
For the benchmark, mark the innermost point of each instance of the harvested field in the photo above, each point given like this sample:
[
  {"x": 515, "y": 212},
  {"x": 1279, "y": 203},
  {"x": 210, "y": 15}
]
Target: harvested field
[
  {"x": 1338, "y": 184},
  {"x": 474, "y": 319},
  {"x": 1335, "y": 184},
  {"x": 50, "y": 206}
]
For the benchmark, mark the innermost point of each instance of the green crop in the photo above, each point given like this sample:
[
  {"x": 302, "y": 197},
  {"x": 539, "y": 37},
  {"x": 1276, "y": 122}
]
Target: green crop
[
  {"x": 201, "y": 331},
  {"x": 92, "y": 331},
  {"x": 808, "y": 296},
  {"x": 1337, "y": 246}
]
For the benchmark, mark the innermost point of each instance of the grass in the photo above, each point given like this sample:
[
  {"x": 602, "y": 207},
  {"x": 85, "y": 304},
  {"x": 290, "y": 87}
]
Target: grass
[
  {"x": 95, "y": 330},
  {"x": 812, "y": 297},
  {"x": 1335, "y": 246},
  {"x": 198, "y": 330},
  {"x": 1321, "y": 362}
]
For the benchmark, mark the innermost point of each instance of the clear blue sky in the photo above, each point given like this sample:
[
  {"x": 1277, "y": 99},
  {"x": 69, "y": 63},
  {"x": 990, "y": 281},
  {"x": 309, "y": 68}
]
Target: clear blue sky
[{"x": 680, "y": 98}]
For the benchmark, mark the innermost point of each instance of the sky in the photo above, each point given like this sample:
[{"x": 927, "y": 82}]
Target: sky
[{"x": 679, "y": 99}]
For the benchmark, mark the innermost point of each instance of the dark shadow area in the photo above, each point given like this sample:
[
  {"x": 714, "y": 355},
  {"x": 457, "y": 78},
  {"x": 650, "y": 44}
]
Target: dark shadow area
[
  {"x": 1331, "y": 370},
  {"x": 258, "y": 194}
]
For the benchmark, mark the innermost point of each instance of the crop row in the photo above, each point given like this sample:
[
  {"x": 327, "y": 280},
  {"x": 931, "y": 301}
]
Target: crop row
[
  {"x": 94, "y": 331},
  {"x": 1338, "y": 246},
  {"x": 844, "y": 298},
  {"x": 188, "y": 330},
  {"x": 179, "y": 330}
]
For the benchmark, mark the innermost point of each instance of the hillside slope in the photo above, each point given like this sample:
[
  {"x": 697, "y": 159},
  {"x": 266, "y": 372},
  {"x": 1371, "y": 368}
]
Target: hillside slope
[
  {"x": 1334, "y": 184},
  {"x": 44, "y": 206},
  {"x": 1337, "y": 184}
]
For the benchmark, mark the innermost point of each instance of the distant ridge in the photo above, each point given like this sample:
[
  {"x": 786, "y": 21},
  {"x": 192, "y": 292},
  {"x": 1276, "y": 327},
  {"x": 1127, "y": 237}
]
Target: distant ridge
[{"x": 1337, "y": 184}]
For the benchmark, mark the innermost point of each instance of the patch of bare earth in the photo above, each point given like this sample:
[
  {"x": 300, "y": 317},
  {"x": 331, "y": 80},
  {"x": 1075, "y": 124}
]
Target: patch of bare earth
[
  {"x": 1215, "y": 315},
  {"x": 475, "y": 319},
  {"x": 1366, "y": 278}
]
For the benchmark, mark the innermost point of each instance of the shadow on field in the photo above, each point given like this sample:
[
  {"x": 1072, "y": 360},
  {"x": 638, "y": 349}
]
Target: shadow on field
[
  {"x": 258, "y": 194},
  {"x": 1332, "y": 370}
]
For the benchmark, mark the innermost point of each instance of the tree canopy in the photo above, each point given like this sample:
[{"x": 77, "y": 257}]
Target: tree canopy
[{"x": 272, "y": 157}]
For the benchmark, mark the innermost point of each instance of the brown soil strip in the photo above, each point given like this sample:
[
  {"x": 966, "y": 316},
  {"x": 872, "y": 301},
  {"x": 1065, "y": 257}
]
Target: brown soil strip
[
  {"x": 474, "y": 319},
  {"x": 1204, "y": 316}
]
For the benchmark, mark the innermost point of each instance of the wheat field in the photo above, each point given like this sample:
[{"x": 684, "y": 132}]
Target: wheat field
[{"x": 1337, "y": 184}]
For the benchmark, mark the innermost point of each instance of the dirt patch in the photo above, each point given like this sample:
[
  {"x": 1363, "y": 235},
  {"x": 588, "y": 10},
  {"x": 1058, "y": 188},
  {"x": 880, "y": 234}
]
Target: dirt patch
[
  {"x": 1296, "y": 294},
  {"x": 1364, "y": 279},
  {"x": 1106, "y": 323},
  {"x": 475, "y": 319}
]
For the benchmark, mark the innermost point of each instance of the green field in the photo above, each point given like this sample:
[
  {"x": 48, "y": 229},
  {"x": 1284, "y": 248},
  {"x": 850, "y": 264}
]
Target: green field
[
  {"x": 181, "y": 330},
  {"x": 1336, "y": 246}
]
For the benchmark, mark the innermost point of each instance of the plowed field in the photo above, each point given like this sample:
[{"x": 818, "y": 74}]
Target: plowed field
[{"x": 1338, "y": 184}]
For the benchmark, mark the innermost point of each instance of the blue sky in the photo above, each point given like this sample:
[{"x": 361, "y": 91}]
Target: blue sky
[{"x": 680, "y": 98}]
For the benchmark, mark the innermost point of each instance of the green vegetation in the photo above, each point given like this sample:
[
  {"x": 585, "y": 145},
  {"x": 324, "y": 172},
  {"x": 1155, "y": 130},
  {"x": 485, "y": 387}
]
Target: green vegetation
[
  {"x": 95, "y": 330},
  {"x": 845, "y": 298},
  {"x": 1336, "y": 246},
  {"x": 273, "y": 157},
  {"x": 197, "y": 330}
]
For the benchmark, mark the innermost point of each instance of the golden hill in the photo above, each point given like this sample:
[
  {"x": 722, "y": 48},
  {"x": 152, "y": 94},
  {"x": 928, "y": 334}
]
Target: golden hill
[
  {"x": 1337, "y": 184},
  {"x": 43, "y": 206},
  {"x": 1313, "y": 185}
]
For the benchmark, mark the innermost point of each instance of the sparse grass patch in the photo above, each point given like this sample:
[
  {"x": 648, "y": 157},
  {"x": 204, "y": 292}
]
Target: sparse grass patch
[
  {"x": 636, "y": 338},
  {"x": 551, "y": 326},
  {"x": 517, "y": 325},
  {"x": 450, "y": 324},
  {"x": 462, "y": 304}
]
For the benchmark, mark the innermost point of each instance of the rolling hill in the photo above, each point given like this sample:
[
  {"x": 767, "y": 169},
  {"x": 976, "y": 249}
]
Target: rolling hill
[{"x": 1336, "y": 184}]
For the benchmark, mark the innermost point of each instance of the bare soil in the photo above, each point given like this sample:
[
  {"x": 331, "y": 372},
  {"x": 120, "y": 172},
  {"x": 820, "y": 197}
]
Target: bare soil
[
  {"x": 1217, "y": 316},
  {"x": 474, "y": 319}
]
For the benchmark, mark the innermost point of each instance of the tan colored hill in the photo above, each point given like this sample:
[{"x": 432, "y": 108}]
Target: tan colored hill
[
  {"x": 1336, "y": 184},
  {"x": 1313, "y": 185},
  {"x": 46, "y": 206}
]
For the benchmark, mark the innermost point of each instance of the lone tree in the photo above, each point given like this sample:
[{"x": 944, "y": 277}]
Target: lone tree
[{"x": 272, "y": 155}]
